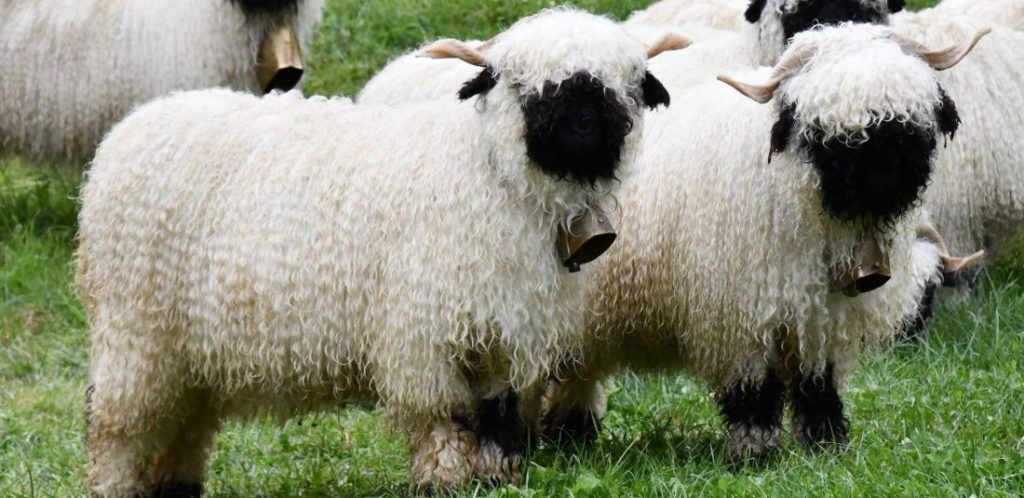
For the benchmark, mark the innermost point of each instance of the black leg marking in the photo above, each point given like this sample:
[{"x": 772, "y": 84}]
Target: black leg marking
[
  {"x": 754, "y": 414},
  {"x": 913, "y": 329},
  {"x": 818, "y": 420},
  {"x": 178, "y": 490},
  {"x": 498, "y": 421},
  {"x": 577, "y": 425}
]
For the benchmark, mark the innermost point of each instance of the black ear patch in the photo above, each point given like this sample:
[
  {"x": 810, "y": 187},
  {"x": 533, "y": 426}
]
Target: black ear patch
[
  {"x": 267, "y": 6},
  {"x": 753, "y": 13},
  {"x": 896, "y": 5},
  {"x": 949, "y": 119},
  {"x": 655, "y": 93},
  {"x": 782, "y": 130},
  {"x": 482, "y": 83}
]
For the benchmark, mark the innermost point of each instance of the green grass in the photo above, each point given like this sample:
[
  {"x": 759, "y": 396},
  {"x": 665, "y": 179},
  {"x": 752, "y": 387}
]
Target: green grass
[{"x": 939, "y": 418}]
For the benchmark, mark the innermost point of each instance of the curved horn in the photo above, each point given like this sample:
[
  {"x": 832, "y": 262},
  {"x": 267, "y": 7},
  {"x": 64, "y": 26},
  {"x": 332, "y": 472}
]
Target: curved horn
[
  {"x": 792, "y": 61},
  {"x": 758, "y": 93},
  {"x": 668, "y": 42},
  {"x": 953, "y": 264},
  {"x": 449, "y": 48},
  {"x": 946, "y": 58},
  {"x": 950, "y": 264}
]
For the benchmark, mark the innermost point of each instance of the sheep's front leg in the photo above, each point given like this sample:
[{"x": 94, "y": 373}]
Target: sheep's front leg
[
  {"x": 501, "y": 434},
  {"x": 753, "y": 411},
  {"x": 442, "y": 460},
  {"x": 485, "y": 445},
  {"x": 572, "y": 410},
  {"x": 818, "y": 420}
]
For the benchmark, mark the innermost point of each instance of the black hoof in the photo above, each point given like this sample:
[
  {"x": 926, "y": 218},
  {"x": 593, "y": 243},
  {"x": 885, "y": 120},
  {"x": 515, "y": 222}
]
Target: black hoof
[{"x": 818, "y": 420}]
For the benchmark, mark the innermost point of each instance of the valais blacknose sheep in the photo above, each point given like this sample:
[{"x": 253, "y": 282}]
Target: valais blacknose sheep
[
  {"x": 240, "y": 255},
  {"x": 72, "y": 69},
  {"x": 766, "y": 25},
  {"x": 743, "y": 222}
]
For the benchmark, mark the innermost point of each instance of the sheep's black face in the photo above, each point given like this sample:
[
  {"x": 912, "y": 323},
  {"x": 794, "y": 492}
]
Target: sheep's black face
[
  {"x": 271, "y": 7},
  {"x": 576, "y": 129},
  {"x": 879, "y": 179},
  {"x": 810, "y": 13}
]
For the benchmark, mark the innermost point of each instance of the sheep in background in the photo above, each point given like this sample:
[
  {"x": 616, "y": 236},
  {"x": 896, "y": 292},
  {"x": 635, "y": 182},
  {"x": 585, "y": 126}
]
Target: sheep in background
[
  {"x": 404, "y": 254},
  {"x": 72, "y": 69},
  {"x": 766, "y": 25},
  {"x": 731, "y": 242},
  {"x": 1009, "y": 13},
  {"x": 717, "y": 14}
]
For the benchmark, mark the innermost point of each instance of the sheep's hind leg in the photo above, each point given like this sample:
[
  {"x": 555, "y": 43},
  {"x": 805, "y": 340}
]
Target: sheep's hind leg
[
  {"x": 180, "y": 470},
  {"x": 753, "y": 412},
  {"x": 818, "y": 420},
  {"x": 501, "y": 435},
  {"x": 572, "y": 410},
  {"x": 120, "y": 449}
]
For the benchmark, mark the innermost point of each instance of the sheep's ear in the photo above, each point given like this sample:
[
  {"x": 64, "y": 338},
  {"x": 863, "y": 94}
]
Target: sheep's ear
[
  {"x": 453, "y": 49},
  {"x": 949, "y": 118},
  {"x": 782, "y": 131},
  {"x": 655, "y": 93},
  {"x": 753, "y": 13},
  {"x": 482, "y": 83},
  {"x": 896, "y": 6}
]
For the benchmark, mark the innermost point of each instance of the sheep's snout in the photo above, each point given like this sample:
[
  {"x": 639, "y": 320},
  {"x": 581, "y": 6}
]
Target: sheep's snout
[
  {"x": 587, "y": 238},
  {"x": 279, "y": 65},
  {"x": 576, "y": 129},
  {"x": 876, "y": 175},
  {"x": 870, "y": 269}
]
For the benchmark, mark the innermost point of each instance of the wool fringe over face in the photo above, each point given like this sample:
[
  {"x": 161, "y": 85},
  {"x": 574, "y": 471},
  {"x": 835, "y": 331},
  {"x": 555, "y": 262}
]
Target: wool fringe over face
[
  {"x": 73, "y": 68},
  {"x": 242, "y": 255}
]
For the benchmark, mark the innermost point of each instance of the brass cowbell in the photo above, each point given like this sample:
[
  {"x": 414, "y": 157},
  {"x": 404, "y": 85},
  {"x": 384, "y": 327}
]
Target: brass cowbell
[
  {"x": 279, "y": 65},
  {"x": 588, "y": 237},
  {"x": 870, "y": 269}
]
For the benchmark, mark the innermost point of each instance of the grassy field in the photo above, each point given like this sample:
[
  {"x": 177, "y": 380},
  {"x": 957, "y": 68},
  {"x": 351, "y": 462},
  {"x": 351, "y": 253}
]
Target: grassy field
[{"x": 943, "y": 417}]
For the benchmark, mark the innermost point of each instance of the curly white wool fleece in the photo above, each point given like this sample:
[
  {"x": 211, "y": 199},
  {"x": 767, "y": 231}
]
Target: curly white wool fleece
[
  {"x": 718, "y": 14},
  {"x": 724, "y": 259},
  {"x": 73, "y": 68},
  {"x": 977, "y": 198},
  {"x": 1009, "y": 13}
]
